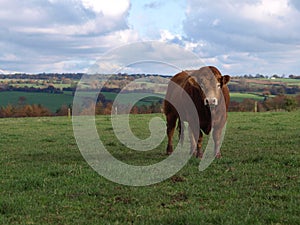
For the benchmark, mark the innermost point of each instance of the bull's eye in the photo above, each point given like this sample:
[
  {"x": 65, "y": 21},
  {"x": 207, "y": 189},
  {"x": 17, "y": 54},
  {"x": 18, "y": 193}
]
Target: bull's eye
[{"x": 218, "y": 85}]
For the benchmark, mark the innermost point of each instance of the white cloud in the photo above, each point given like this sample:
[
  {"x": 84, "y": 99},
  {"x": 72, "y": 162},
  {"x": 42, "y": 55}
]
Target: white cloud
[
  {"x": 8, "y": 57},
  {"x": 108, "y": 8},
  {"x": 268, "y": 20},
  {"x": 295, "y": 4},
  {"x": 216, "y": 22},
  {"x": 150, "y": 56},
  {"x": 256, "y": 32},
  {"x": 166, "y": 35},
  {"x": 53, "y": 34}
]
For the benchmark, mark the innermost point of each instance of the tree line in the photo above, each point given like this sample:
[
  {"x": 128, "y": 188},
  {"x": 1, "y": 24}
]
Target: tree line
[
  {"x": 37, "y": 110},
  {"x": 268, "y": 89},
  {"x": 277, "y": 103},
  {"x": 50, "y": 89},
  {"x": 42, "y": 76}
]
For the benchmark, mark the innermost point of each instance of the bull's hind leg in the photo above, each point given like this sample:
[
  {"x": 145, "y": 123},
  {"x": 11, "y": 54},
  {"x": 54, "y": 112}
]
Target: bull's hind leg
[{"x": 171, "y": 124}]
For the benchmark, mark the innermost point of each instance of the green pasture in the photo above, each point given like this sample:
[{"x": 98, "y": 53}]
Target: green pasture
[
  {"x": 126, "y": 98},
  {"x": 239, "y": 97},
  {"x": 55, "y": 101},
  {"x": 50, "y": 101},
  {"x": 129, "y": 98},
  {"x": 286, "y": 81},
  {"x": 45, "y": 180}
]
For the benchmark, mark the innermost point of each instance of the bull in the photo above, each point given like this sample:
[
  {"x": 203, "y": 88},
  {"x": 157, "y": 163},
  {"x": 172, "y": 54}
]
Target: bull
[{"x": 209, "y": 93}]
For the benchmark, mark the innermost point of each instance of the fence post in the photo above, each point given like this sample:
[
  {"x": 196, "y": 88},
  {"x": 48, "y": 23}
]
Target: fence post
[
  {"x": 69, "y": 113},
  {"x": 255, "y": 106}
]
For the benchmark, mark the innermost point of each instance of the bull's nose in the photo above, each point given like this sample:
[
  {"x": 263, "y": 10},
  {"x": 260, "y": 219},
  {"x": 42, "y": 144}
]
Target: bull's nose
[{"x": 211, "y": 101}]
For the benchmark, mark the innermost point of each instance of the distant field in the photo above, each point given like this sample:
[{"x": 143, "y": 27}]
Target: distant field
[
  {"x": 45, "y": 180},
  {"x": 239, "y": 97},
  {"x": 51, "y": 101},
  {"x": 55, "y": 101},
  {"x": 264, "y": 81},
  {"x": 287, "y": 81}
]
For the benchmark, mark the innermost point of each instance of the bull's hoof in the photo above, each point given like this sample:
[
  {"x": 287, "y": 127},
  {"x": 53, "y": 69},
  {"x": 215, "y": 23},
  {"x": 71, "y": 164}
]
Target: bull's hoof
[
  {"x": 169, "y": 152},
  {"x": 169, "y": 149},
  {"x": 198, "y": 155},
  {"x": 218, "y": 155}
]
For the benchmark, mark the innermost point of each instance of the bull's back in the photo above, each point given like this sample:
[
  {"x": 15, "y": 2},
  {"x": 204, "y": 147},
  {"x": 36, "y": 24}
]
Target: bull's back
[{"x": 180, "y": 78}]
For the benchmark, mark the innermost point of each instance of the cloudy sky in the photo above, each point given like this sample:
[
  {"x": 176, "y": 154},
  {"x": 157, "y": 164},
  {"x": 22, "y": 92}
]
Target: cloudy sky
[{"x": 239, "y": 37}]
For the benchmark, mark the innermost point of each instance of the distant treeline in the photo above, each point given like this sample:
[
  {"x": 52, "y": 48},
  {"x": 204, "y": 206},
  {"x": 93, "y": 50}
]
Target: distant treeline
[
  {"x": 73, "y": 76},
  {"x": 261, "y": 76},
  {"x": 268, "y": 89},
  {"x": 78, "y": 76},
  {"x": 34, "y": 110},
  {"x": 277, "y": 103},
  {"x": 112, "y": 90},
  {"x": 42, "y": 76},
  {"x": 24, "y": 111},
  {"x": 49, "y": 89},
  {"x": 54, "y": 90}
]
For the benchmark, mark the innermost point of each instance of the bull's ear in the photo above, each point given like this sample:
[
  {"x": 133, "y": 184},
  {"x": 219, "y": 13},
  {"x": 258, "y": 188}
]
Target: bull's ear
[{"x": 225, "y": 79}]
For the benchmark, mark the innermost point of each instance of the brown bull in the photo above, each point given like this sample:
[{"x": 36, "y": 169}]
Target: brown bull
[{"x": 209, "y": 93}]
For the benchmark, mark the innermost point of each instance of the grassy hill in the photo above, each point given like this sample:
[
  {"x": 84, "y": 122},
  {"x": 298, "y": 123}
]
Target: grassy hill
[{"x": 45, "y": 180}]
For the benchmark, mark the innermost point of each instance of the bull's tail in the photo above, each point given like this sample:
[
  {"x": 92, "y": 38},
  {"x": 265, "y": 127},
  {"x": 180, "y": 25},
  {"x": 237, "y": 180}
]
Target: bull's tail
[{"x": 180, "y": 128}]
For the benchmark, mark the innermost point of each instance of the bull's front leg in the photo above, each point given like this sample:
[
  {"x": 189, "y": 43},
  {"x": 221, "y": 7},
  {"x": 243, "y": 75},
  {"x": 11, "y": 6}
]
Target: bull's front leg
[
  {"x": 171, "y": 124},
  {"x": 199, "y": 153},
  {"x": 217, "y": 136}
]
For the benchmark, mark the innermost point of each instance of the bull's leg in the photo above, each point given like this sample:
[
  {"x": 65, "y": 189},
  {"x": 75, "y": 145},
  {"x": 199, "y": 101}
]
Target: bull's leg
[
  {"x": 199, "y": 153},
  {"x": 217, "y": 135},
  {"x": 171, "y": 124},
  {"x": 192, "y": 140}
]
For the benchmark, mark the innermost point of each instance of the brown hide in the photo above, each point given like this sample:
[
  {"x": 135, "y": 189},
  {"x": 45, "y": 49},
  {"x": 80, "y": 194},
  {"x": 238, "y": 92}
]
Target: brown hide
[{"x": 195, "y": 92}]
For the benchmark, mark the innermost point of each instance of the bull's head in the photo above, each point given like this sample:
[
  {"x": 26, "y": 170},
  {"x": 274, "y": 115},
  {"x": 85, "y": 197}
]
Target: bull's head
[{"x": 211, "y": 82}]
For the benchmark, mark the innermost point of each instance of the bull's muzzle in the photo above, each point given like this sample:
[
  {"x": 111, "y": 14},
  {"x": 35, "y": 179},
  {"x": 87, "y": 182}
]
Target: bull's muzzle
[{"x": 211, "y": 101}]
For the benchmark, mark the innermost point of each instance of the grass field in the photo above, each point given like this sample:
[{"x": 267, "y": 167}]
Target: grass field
[
  {"x": 239, "y": 97},
  {"x": 286, "y": 81},
  {"x": 45, "y": 180}
]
